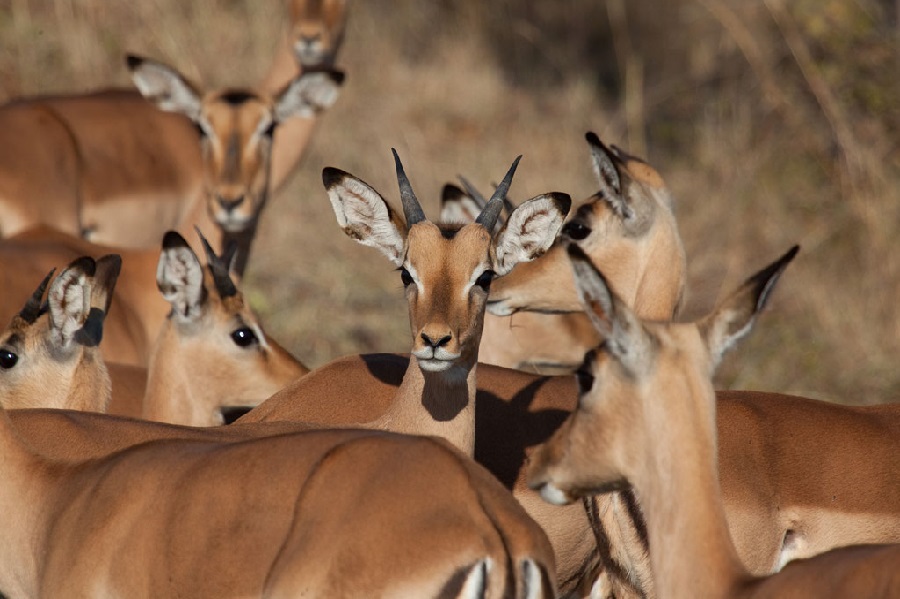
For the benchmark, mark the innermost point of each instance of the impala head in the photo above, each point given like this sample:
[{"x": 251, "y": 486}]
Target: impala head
[
  {"x": 628, "y": 228},
  {"x": 446, "y": 270},
  {"x": 49, "y": 353},
  {"x": 236, "y": 128},
  {"x": 645, "y": 381},
  {"x": 212, "y": 343},
  {"x": 317, "y": 30}
]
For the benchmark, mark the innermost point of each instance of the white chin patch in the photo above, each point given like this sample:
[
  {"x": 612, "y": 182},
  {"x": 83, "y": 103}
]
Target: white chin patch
[
  {"x": 435, "y": 365},
  {"x": 231, "y": 223},
  {"x": 553, "y": 495}
]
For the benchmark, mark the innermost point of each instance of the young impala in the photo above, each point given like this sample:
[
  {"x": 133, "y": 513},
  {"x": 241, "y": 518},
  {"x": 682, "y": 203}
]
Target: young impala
[
  {"x": 533, "y": 321},
  {"x": 646, "y": 419}
]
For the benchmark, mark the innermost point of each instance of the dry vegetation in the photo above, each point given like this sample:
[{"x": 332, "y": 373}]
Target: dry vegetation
[{"x": 773, "y": 123}]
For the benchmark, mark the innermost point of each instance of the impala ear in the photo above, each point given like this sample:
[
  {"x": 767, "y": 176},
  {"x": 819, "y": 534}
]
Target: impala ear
[
  {"x": 604, "y": 163},
  {"x": 530, "y": 230},
  {"x": 103, "y": 284},
  {"x": 457, "y": 206},
  {"x": 736, "y": 315},
  {"x": 69, "y": 301},
  {"x": 364, "y": 215},
  {"x": 179, "y": 277},
  {"x": 164, "y": 86},
  {"x": 309, "y": 94},
  {"x": 621, "y": 329}
]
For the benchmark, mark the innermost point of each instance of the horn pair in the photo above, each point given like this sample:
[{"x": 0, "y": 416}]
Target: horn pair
[{"x": 489, "y": 214}]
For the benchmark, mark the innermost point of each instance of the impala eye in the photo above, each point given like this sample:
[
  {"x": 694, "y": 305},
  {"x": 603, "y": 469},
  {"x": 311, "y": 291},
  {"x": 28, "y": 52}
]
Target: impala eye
[
  {"x": 405, "y": 277},
  {"x": 8, "y": 359},
  {"x": 244, "y": 337},
  {"x": 575, "y": 230},
  {"x": 484, "y": 280}
]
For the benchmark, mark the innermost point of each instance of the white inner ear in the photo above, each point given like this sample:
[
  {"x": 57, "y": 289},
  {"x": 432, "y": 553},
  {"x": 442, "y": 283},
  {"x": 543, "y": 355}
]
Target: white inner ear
[
  {"x": 364, "y": 216},
  {"x": 179, "y": 277},
  {"x": 306, "y": 96},
  {"x": 70, "y": 302},
  {"x": 530, "y": 231},
  {"x": 167, "y": 88}
]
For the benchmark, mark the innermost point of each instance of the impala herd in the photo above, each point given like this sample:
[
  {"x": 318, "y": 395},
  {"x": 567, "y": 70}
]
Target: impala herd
[{"x": 552, "y": 432}]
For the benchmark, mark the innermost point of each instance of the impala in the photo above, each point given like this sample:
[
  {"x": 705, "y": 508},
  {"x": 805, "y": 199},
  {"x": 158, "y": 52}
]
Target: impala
[
  {"x": 137, "y": 311},
  {"x": 646, "y": 420},
  {"x": 447, "y": 273},
  {"x": 211, "y": 169},
  {"x": 315, "y": 34},
  {"x": 281, "y": 516},
  {"x": 211, "y": 351},
  {"x": 48, "y": 353},
  {"x": 628, "y": 227}
]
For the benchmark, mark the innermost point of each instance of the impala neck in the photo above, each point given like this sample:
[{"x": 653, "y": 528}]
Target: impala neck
[
  {"x": 169, "y": 395},
  {"x": 435, "y": 403},
  {"x": 691, "y": 551},
  {"x": 26, "y": 488}
]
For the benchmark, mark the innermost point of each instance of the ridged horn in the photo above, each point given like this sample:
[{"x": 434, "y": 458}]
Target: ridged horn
[
  {"x": 411, "y": 207},
  {"x": 488, "y": 216},
  {"x": 220, "y": 266},
  {"x": 32, "y": 308}
]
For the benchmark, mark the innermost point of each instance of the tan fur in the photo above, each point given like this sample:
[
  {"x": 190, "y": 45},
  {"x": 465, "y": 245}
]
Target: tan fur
[
  {"x": 162, "y": 174},
  {"x": 137, "y": 310},
  {"x": 314, "y": 37},
  {"x": 648, "y": 421},
  {"x": 644, "y": 263},
  {"x": 206, "y": 514}
]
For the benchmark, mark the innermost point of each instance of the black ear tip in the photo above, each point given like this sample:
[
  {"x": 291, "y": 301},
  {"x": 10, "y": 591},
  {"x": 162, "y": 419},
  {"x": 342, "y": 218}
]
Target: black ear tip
[
  {"x": 592, "y": 138},
  {"x": 173, "y": 239},
  {"x": 451, "y": 193},
  {"x": 332, "y": 176},
  {"x": 563, "y": 202},
  {"x": 133, "y": 61},
  {"x": 337, "y": 76},
  {"x": 85, "y": 264}
]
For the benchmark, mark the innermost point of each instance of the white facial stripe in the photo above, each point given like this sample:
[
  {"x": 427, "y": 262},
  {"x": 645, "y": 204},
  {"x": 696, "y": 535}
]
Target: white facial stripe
[
  {"x": 480, "y": 270},
  {"x": 415, "y": 276}
]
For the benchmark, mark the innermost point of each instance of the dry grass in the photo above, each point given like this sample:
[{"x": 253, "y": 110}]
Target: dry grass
[{"x": 754, "y": 159}]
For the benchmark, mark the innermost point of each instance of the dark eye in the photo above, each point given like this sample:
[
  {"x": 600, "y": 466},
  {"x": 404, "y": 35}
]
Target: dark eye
[
  {"x": 406, "y": 277},
  {"x": 484, "y": 280},
  {"x": 8, "y": 359},
  {"x": 244, "y": 337},
  {"x": 575, "y": 230}
]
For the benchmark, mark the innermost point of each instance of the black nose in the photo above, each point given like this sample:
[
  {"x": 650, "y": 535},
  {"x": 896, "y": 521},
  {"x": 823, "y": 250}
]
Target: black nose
[
  {"x": 436, "y": 344},
  {"x": 229, "y": 205}
]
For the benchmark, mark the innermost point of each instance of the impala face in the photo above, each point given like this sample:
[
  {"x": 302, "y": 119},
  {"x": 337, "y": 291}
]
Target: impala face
[
  {"x": 627, "y": 228},
  {"x": 446, "y": 271},
  {"x": 317, "y": 31},
  {"x": 236, "y": 127},
  {"x": 645, "y": 381},
  {"x": 447, "y": 275}
]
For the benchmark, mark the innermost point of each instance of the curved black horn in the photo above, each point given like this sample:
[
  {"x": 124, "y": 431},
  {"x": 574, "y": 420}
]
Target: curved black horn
[
  {"x": 220, "y": 266},
  {"x": 32, "y": 308},
  {"x": 411, "y": 207},
  {"x": 488, "y": 216}
]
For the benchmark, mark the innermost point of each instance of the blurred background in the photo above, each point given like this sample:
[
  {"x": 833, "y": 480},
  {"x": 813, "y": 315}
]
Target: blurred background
[{"x": 773, "y": 123}]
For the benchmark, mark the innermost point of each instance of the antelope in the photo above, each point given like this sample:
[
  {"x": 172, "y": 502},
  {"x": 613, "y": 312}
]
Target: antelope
[
  {"x": 211, "y": 351},
  {"x": 48, "y": 353},
  {"x": 315, "y": 34},
  {"x": 211, "y": 169},
  {"x": 278, "y": 516},
  {"x": 646, "y": 420},
  {"x": 534, "y": 321},
  {"x": 137, "y": 311}
]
